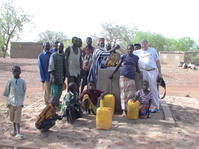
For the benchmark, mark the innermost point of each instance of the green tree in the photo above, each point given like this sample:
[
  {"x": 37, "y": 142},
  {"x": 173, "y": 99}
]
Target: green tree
[
  {"x": 157, "y": 41},
  {"x": 51, "y": 36},
  {"x": 185, "y": 44},
  {"x": 12, "y": 20}
]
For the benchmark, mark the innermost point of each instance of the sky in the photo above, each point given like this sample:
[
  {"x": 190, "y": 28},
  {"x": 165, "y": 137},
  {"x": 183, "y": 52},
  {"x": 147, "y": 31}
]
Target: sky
[{"x": 171, "y": 18}]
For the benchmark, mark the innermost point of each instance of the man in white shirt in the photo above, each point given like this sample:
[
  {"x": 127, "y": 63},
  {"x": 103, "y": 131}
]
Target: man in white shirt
[{"x": 149, "y": 64}]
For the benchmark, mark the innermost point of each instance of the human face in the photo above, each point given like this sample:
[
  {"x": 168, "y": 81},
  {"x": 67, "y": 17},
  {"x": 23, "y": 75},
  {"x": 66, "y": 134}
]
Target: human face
[
  {"x": 16, "y": 72},
  {"x": 144, "y": 45},
  {"x": 129, "y": 50},
  {"x": 91, "y": 86},
  {"x": 101, "y": 44},
  {"x": 60, "y": 47},
  {"x": 79, "y": 43},
  {"x": 47, "y": 46},
  {"x": 108, "y": 46},
  {"x": 89, "y": 41},
  {"x": 145, "y": 85}
]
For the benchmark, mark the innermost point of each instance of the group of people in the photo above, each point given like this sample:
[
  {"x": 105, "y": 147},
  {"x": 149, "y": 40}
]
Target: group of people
[{"x": 80, "y": 67}]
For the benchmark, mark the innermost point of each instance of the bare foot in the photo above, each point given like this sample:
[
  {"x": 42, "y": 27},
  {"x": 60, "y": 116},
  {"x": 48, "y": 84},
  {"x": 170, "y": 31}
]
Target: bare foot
[{"x": 123, "y": 114}]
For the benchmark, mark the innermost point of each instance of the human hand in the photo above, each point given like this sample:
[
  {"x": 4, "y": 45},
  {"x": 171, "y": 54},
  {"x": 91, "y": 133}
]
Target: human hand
[
  {"x": 117, "y": 46},
  {"x": 111, "y": 77}
]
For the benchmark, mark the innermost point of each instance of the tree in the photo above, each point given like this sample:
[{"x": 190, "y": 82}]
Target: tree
[
  {"x": 51, "y": 36},
  {"x": 12, "y": 20},
  {"x": 155, "y": 40},
  {"x": 118, "y": 34}
]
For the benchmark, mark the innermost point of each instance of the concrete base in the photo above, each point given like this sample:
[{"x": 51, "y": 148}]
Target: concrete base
[{"x": 111, "y": 86}]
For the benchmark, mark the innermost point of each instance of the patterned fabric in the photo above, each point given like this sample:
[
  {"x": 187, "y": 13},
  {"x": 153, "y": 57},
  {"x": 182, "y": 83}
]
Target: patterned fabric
[
  {"x": 69, "y": 98},
  {"x": 57, "y": 65},
  {"x": 47, "y": 117},
  {"x": 89, "y": 105},
  {"x": 127, "y": 90},
  {"x": 97, "y": 58},
  {"x": 15, "y": 92},
  {"x": 112, "y": 60},
  {"x": 87, "y": 58},
  {"x": 145, "y": 102}
]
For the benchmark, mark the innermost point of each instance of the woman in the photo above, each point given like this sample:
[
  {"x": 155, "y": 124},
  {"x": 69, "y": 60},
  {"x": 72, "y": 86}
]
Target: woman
[{"x": 129, "y": 66}]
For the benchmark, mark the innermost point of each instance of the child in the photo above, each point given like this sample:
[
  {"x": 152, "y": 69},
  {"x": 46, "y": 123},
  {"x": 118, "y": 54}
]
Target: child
[
  {"x": 48, "y": 116},
  {"x": 145, "y": 97},
  {"x": 89, "y": 98},
  {"x": 70, "y": 107},
  {"x": 15, "y": 93}
]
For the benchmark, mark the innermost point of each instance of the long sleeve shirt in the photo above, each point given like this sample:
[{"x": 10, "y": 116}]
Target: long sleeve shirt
[
  {"x": 15, "y": 92},
  {"x": 43, "y": 62}
]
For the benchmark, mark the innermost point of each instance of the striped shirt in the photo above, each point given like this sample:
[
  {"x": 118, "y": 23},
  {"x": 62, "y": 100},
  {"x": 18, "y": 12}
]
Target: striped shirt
[{"x": 97, "y": 58}]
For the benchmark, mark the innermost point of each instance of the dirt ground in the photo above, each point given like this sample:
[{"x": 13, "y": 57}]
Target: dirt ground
[{"x": 124, "y": 133}]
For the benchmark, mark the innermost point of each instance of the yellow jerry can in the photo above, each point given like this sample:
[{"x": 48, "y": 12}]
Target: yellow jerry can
[
  {"x": 103, "y": 118},
  {"x": 108, "y": 101},
  {"x": 133, "y": 109}
]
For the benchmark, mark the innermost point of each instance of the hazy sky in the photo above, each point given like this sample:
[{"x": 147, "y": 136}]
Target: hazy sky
[{"x": 172, "y": 18}]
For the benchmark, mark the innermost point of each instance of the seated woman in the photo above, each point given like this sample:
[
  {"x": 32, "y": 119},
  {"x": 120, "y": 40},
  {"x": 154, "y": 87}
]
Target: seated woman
[
  {"x": 90, "y": 97},
  {"x": 70, "y": 107},
  {"x": 48, "y": 116},
  {"x": 145, "y": 97}
]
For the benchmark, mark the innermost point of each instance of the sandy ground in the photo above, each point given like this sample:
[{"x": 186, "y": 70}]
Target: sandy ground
[{"x": 124, "y": 133}]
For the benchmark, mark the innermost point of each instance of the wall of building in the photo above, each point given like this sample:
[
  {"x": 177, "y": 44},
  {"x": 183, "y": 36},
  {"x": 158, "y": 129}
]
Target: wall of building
[{"x": 25, "y": 49}]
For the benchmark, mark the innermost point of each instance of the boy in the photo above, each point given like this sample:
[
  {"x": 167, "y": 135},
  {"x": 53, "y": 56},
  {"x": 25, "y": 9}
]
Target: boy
[
  {"x": 43, "y": 62},
  {"x": 145, "y": 97},
  {"x": 15, "y": 93},
  {"x": 56, "y": 69},
  {"x": 89, "y": 98},
  {"x": 48, "y": 116},
  {"x": 71, "y": 104}
]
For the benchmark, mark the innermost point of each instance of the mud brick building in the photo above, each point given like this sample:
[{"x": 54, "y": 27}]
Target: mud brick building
[
  {"x": 175, "y": 57},
  {"x": 25, "y": 49}
]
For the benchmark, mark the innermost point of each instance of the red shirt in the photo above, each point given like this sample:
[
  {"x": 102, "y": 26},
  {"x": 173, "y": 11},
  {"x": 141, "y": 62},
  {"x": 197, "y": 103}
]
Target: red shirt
[{"x": 93, "y": 94}]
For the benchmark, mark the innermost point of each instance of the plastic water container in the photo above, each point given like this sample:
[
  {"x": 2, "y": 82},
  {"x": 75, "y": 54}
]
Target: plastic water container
[
  {"x": 108, "y": 101},
  {"x": 133, "y": 109},
  {"x": 103, "y": 118}
]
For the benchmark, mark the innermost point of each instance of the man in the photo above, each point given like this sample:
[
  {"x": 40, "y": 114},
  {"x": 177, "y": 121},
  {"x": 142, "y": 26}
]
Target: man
[
  {"x": 150, "y": 67},
  {"x": 137, "y": 46},
  {"x": 138, "y": 76},
  {"x": 53, "y": 50},
  {"x": 86, "y": 60},
  {"x": 57, "y": 71},
  {"x": 97, "y": 59},
  {"x": 74, "y": 62},
  {"x": 43, "y": 62}
]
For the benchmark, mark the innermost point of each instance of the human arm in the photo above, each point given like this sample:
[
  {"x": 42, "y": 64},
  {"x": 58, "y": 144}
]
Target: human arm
[
  {"x": 52, "y": 69},
  {"x": 116, "y": 69},
  {"x": 81, "y": 64},
  {"x": 67, "y": 53},
  {"x": 42, "y": 78},
  {"x": 159, "y": 68},
  {"x": 7, "y": 89}
]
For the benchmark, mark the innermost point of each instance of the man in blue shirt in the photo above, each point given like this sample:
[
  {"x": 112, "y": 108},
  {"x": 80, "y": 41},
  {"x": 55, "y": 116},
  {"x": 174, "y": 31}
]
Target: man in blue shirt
[{"x": 43, "y": 62}]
